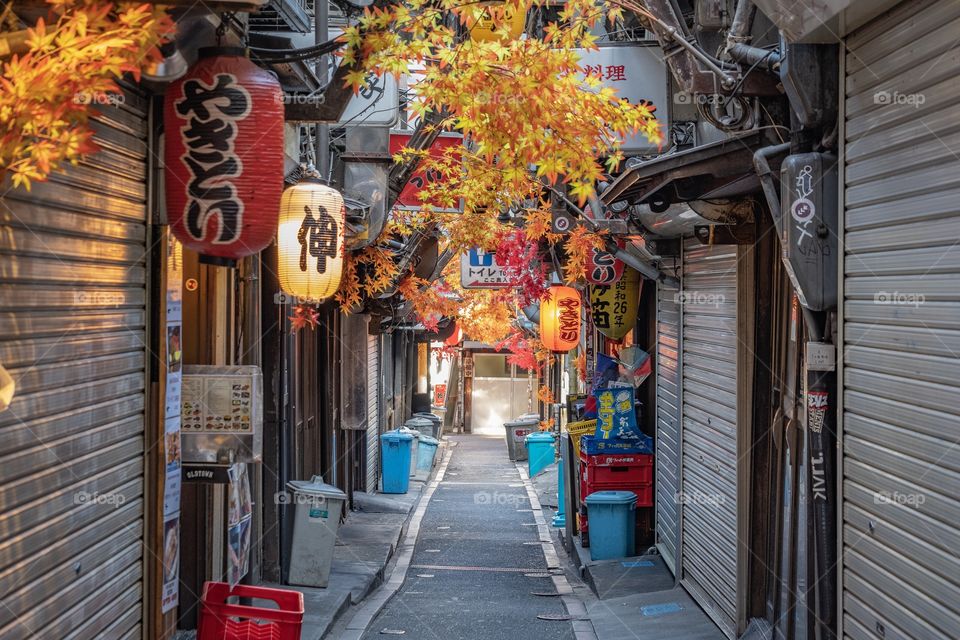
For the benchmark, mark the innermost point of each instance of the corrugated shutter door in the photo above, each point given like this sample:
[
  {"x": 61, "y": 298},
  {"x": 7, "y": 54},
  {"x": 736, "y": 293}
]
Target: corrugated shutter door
[
  {"x": 901, "y": 340},
  {"x": 72, "y": 335},
  {"x": 709, "y": 476},
  {"x": 668, "y": 423},
  {"x": 373, "y": 412}
]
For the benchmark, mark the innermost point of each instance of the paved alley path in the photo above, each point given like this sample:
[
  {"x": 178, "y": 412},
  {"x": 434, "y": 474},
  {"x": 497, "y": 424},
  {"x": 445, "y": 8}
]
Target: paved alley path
[{"x": 477, "y": 541}]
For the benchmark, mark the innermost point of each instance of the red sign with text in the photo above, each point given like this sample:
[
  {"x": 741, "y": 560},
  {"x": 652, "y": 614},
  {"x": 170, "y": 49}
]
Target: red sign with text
[{"x": 409, "y": 197}]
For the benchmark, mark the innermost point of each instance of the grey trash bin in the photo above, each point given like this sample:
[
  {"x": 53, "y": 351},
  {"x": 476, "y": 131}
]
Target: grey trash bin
[
  {"x": 317, "y": 508},
  {"x": 516, "y": 432},
  {"x": 414, "y": 446},
  {"x": 424, "y": 425}
]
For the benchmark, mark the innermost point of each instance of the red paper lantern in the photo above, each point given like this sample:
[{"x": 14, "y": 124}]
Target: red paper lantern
[
  {"x": 560, "y": 319},
  {"x": 224, "y": 156},
  {"x": 456, "y": 337},
  {"x": 603, "y": 267}
]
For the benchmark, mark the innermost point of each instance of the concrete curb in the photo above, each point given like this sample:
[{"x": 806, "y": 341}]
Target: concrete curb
[
  {"x": 582, "y": 627},
  {"x": 371, "y": 607}
]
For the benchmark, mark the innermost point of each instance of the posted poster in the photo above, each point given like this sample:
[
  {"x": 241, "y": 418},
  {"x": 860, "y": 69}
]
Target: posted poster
[
  {"x": 171, "y": 448},
  {"x": 212, "y": 404},
  {"x": 171, "y": 563},
  {"x": 616, "y": 417},
  {"x": 239, "y": 516},
  {"x": 173, "y": 350},
  {"x": 173, "y": 330}
]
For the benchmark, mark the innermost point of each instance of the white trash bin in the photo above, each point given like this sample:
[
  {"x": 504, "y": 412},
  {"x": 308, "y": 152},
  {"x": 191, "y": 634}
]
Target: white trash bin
[
  {"x": 414, "y": 445},
  {"x": 317, "y": 508}
]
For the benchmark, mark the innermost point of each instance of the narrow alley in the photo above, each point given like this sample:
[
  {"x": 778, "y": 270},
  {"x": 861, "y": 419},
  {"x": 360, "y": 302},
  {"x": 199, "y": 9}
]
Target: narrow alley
[
  {"x": 479, "y": 570},
  {"x": 455, "y": 320}
]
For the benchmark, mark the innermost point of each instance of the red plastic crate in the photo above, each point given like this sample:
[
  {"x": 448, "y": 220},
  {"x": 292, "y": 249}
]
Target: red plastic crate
[
  {"x": 222, "y": 620},
  {"x": 643, "y": 492},
  {"x": 616, "y": 470}
]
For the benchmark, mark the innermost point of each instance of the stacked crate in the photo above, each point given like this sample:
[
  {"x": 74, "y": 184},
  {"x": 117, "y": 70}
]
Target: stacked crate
[{"x": 617, "y": 472}]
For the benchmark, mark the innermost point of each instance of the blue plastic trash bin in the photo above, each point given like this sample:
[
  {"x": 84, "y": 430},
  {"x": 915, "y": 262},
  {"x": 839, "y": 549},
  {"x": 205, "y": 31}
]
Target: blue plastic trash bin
[
  {"x": 425, "y": 456},
  {"x": 540, "y": 452},
  {"x": 395, "y": 461},
  {"x": 613, "y": 521}
]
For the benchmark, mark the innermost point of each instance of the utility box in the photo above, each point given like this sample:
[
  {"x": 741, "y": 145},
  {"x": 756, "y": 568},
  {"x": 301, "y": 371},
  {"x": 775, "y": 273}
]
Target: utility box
[{"x": 807, "y": 225}]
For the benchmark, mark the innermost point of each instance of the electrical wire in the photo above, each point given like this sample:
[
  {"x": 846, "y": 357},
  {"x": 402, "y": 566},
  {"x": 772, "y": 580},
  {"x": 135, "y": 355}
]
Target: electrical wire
[{"x": 297, "y": 55}]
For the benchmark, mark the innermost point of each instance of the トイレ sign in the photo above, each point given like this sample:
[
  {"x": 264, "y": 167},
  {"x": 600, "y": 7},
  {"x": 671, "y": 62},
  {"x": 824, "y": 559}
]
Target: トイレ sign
[
  {"x": 639, "y": 74},
  {"x": 479, "y": 269}
]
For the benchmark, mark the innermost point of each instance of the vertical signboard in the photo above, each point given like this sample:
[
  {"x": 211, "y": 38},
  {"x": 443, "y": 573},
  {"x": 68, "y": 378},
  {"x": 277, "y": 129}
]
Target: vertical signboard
[{"x": 173, "y": 359}]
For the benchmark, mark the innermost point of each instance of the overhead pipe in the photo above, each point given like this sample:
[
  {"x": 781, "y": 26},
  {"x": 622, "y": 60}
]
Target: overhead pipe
[
  {"x": 761, "y": 164},
  {"x": 738, "y": 45}
]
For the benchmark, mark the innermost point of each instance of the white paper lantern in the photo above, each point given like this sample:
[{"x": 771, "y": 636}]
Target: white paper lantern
[{"x": 310, "y": 241}]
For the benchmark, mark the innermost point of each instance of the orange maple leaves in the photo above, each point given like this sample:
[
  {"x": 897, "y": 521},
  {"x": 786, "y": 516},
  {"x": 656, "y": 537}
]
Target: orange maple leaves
[{"x": 74, "y": 59}]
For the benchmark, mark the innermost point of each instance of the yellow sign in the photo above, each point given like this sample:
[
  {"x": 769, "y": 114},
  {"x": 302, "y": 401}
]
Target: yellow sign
[
  {"x": 483, "y": 30},
  {"x": 614, "y": 307}
]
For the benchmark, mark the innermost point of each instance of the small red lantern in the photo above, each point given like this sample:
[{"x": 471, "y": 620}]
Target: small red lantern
[
  {"x": 456, "y": 337},
  {"x": 224, "y": 156},
  {"x": 603, "y": 267},
  {"x": 560, "y": 319}
]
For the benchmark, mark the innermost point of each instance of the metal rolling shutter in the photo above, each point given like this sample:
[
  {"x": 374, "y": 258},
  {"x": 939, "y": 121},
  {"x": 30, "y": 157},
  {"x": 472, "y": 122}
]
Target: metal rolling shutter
[
  {"x": 709, "y": 448},
  {"x": 901, "y": 331},
  {"x": 373, "y": 412},
  {"x": 72, "y": 334},
  {"x": 668, "y": 424}
]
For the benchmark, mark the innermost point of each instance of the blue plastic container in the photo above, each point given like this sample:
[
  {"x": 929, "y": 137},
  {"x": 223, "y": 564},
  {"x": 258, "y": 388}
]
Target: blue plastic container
[
  {"x": 425, "y": 455},
  {"x": 592, "y": 445},
  {"x": 613, "y": 521},
  {"x": 395, "y": 461},
  {"x": 560, "y": 519},
  {"x": 541, "y": 452}
]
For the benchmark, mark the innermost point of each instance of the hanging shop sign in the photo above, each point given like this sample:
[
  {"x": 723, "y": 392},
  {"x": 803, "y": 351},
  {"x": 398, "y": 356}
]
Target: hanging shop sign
[
  {"x": 603, "y": 267},
  {"x": 224, "y": 156},
  {"x": 614, "y": 307},
  {"x": 376, "y": 104},
  {"x": 560, "y": 319},
  {"x": 409, "y": 197},
  {"x": 639, "y": 74},
  {"x": 479, "y": 269},
  {"x": 483, "y": 30},
  {"x": 310, "y": 241}
]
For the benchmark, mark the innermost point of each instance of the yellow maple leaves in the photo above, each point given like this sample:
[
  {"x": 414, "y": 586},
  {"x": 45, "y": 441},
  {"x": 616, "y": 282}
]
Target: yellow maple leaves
[
  {"x": 531, "y": 121},
  {"x": 48, "y": 93}
]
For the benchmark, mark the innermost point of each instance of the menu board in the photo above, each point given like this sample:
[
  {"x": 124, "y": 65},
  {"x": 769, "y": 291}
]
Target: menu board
[{"x": 214, "y": 404}]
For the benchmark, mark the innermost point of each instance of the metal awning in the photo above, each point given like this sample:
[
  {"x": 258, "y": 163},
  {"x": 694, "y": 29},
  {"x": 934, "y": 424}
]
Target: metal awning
[{"x": 717, "y": 170}]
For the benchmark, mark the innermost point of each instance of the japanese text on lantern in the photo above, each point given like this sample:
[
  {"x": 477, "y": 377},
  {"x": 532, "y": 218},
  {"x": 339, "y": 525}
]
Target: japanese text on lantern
[
  {"x": 569, "y": 319},
  {"x": 604, "y": 267},
  {"x": 318, "y": 237},
  {"x": 209, "y": 135}
]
